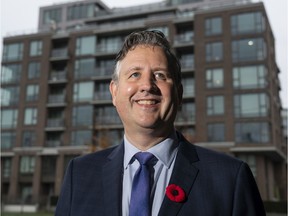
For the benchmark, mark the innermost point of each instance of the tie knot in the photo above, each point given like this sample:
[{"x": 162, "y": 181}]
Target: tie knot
[{"x": 144, "y": 157}]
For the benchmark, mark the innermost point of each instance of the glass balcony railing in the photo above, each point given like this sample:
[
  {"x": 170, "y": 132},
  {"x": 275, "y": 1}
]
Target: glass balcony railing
[
  {"x": 52, "y": 123},
  {"x": 59, "y": 53},
  {"x": 183, "y": 38},
  {"x": 102, "y": 96},
  {"x": 57, "y": 76},
  {"x": 56, "y": 98},
  {"x": 52, "y": 143}
]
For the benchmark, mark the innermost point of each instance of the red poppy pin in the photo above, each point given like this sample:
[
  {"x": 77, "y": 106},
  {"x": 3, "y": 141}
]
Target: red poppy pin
[{"x": 175, "y": 193}]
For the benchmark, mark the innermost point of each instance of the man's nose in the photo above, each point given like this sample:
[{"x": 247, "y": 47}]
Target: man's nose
[{"x": 147, "y": 82}]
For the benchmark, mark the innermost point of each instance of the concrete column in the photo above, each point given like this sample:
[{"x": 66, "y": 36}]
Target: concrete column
[
  {"x": 261, "y": 176},
  {"x": 37, "y": 179},
  {"x": 14, "y": 186},
  {"x": 59, "y": 173}
]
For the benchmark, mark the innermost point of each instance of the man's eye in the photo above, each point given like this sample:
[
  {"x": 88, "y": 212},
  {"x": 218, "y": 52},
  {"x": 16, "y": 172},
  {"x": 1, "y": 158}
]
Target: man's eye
[
  {"x": 160, "y": 76},
  {"x": 135, "y": 75}
]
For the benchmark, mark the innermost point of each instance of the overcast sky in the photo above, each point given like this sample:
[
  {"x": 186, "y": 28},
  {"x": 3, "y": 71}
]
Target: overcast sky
[{"x": 21, "y": 16}]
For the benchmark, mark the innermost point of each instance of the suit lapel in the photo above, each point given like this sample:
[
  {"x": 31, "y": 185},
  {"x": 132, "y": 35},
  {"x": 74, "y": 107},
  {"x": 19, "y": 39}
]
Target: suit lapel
[
  {"x": 183, "y": 175},
  {"x": 112, "y": 182}
]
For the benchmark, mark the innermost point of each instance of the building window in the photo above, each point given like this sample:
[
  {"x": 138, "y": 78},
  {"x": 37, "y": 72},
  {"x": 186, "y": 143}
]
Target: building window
[
  {"x": 252, "y": 132},
  {"x": 84, "y": 68},
  {"x": 30, "y": 116},
  {"x": 7, "y": 140},
  {"x": 247, "y": 23},
  {"x": 214, "y": 51},
  {"x": 81, "y": 137},
  {"x": 85, "y": 45},
  {"x": 9, "y": 118},
  {"x": 53, "y": 139},
  {"x": 32, "y": 92},
  {"x": 26, "y": 192},
  {"x": 214, "y": 78},
  {"x": 104, "y": 67},
  {"x": 102, "y": 91},
  {"x": 216, "y": 132},
  {"x": 106, "y": 115},
  {"x": 213, "y": 26},
  {"x": 28, "y": 138},
  {"x": 251, "y": 105},
  {"x": 13, "y": 52},
  {"x": 82, "y": 116},
  {"x": 27, "y": 164},
  {"x": 34, "y": 70},
  {"x": 11, "y": 73},
  {"x": 48, "y": 166},
  {"x": 253, "y": 49},
  {"x": 187, "y": 113},
  {"x": 187, "y": 61},
  {"x": 55, "y": 118},
  {"x": 6, "y": 167},
  {"x": 81, "y": 11},
  {"x": 110, "y": 44},
  {"x": 36, "y": 48},
  {"x": 250, "y": 77},
  {"x": 188, "y": 87},
  {"x": 9, "y": 95},
  {"x": 83, "y": 91},
  {"x": 215, "y": 105},
  {"x": 184, "y": 36},
  {"x": 52, "y": 16}
]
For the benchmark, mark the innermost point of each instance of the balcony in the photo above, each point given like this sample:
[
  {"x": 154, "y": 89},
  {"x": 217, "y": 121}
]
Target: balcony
[
  {"x": 52, "y": 143},
  {"x": 59, "y": 54},
  {"x": 184, "y": 119},
  {"x": 107, "y": 120},
  {"x": 56, "y": 100},
  {"x": 9, "y": 102},
  {"x": 102, "y": 96},
  {"x": 84, "y": 74},
  {"x": 184, "y": 39},
  {"x": 103, "y": 72},
  {"x": 55, "y": 124},
  {"x": 187, "y": 65},
  {"x": 59, "y": 76},
  {"x": 108, "y": 48},
  {"x": 10, "y": 80}
]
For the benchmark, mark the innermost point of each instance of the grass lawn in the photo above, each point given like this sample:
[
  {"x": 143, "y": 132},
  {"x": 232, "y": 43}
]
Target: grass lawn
[{"x": 27, "y": 214}]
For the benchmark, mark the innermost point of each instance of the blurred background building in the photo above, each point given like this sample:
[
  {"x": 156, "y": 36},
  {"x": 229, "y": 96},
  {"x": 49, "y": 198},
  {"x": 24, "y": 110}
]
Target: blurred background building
[{"x": 56, "y": 105}]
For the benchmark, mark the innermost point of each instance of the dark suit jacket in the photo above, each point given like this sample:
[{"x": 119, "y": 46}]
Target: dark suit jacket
[{"x": 215, "y": 184}]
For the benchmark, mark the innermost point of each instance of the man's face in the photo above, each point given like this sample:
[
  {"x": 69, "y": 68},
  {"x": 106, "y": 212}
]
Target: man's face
[{"x": 145, "y": 94}]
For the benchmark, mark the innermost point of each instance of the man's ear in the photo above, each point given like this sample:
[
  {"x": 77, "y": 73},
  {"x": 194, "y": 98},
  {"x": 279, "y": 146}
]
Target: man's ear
[{"x": 113, "y": 90}]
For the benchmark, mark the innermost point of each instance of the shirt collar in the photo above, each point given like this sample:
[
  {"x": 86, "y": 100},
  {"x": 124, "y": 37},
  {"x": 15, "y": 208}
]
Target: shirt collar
[{"x": 164, "y": 151}]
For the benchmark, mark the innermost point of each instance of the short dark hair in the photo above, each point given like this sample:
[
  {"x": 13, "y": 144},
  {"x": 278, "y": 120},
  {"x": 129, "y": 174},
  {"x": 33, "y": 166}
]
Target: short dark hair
[{"x": 150, "y": 38}]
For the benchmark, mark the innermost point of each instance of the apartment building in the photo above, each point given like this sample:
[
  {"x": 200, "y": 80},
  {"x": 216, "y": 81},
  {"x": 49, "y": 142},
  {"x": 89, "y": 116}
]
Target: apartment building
[{"x": 56, "y": 105}]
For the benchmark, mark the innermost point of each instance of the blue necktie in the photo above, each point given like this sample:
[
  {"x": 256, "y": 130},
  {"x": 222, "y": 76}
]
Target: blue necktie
[{"x": 140, "y": 195}]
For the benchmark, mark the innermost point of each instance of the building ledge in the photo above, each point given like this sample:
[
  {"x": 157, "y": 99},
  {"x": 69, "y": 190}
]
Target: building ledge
[{"x": 269, "y": 151}]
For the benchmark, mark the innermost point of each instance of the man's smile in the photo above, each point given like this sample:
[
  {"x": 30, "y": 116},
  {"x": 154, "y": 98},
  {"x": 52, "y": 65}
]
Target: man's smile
[{"x": 147, "y": 102}]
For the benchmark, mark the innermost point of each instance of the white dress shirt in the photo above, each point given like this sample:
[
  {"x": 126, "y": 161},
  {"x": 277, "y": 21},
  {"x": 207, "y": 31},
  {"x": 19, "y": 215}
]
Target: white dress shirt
[{"x": 165, "y": 152}]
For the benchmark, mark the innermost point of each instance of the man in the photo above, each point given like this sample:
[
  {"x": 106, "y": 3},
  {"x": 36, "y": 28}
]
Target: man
[{"x": 185, "y": 179}]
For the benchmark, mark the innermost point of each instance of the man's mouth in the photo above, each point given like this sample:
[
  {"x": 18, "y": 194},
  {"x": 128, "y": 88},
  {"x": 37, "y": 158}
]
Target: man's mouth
[{"x": 147, "y": 102}]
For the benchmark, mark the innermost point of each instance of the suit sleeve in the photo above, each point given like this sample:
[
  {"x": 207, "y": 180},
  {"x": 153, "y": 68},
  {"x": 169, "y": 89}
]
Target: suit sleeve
[
  {"x": 64, "y": 201},
  {"x": 247, "y": 199}
]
